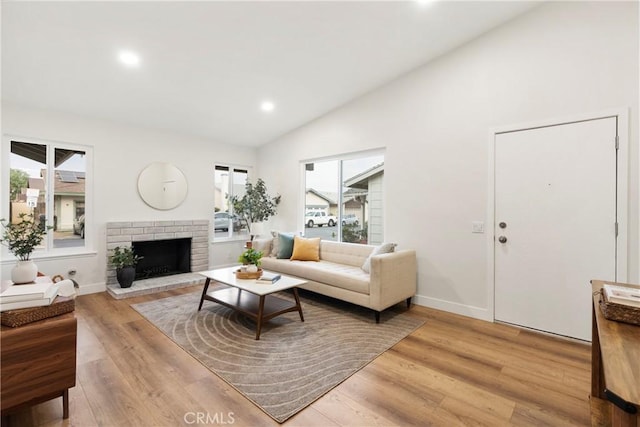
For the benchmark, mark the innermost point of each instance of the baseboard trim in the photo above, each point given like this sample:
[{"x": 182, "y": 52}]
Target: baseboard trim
[
  {"x": 454, "y": 307},
  {"x": 92, "y": 288}
]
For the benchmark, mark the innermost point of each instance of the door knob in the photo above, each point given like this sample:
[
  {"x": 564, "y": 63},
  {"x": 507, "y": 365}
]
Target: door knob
[
  {"x": 502, "y": 239},
  {"x": 502, "y": 225}
]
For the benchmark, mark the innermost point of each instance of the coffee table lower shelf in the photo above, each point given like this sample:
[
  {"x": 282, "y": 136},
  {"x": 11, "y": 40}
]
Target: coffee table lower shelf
[{"x": 261, "y": 308}]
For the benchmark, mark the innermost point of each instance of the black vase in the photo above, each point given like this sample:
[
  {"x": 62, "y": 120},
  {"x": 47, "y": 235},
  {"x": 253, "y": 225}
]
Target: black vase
[{"x": 125, "y": 276}]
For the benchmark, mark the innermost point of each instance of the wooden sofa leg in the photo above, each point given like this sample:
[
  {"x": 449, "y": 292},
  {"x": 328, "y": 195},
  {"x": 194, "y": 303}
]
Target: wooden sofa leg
[
  {"x": 409, "y": 302},
  {"x": 377, "y": 314}
]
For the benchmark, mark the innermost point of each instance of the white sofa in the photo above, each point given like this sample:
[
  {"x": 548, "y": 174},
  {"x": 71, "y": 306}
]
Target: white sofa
[{"x": 339, "y": 273}]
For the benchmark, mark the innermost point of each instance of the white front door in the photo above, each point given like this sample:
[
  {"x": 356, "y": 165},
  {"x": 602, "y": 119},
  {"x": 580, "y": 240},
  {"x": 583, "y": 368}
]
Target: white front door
[{"x": 555, "y": 222}]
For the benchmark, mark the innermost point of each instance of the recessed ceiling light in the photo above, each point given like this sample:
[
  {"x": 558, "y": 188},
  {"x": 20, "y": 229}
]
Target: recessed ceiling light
[
  {"x": 128, "y": 58},
  {"x": 267, "y": 106}
]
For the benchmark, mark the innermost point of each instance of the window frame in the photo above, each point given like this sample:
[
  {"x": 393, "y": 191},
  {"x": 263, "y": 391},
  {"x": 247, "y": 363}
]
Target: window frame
[
  {"x": 49, "y": 251},
  {"x": 340, "y": 158},
  {"x": 232, "y": 235}
]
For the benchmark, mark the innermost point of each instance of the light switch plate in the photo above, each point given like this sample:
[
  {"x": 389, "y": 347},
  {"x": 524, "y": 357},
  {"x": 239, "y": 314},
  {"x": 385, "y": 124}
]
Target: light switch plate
[{"x": 477, "y": 227}]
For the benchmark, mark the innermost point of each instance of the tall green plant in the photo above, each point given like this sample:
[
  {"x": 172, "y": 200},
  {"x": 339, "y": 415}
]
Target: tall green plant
[
  {"x": 23, "y": 236},
  {"x": 256, "y": 205}
]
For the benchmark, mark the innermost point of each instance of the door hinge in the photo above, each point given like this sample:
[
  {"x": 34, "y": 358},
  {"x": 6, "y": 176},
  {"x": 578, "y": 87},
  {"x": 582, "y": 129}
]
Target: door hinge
[
  {"x": 616, "y": 229},
  {"x": 617, "y": 142}
]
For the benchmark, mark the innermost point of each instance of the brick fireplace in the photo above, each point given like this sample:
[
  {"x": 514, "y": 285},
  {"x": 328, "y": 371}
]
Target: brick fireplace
[{"x": 196, "y": 232}]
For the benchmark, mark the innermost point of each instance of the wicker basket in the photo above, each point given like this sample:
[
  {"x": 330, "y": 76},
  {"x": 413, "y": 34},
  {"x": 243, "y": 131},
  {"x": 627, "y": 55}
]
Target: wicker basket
[
  {"x": 619, "y": 312},
  {"x": 248, "y": 275},
  {"x": 60, "y": 305}
]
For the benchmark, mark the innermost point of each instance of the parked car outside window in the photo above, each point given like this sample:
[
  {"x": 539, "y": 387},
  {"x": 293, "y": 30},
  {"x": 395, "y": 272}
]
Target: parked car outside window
[
  {"x": 349, "y": 219},
  {"x": 78, "y": 226},
  {"x": 222, "y": 221}
]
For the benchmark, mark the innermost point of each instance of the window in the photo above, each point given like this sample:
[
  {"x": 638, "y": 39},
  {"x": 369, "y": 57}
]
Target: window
[
  {"x": 49, "y": 181},
  {"x": 228, "y": 181},
  {"x": 344, "y": 198}
]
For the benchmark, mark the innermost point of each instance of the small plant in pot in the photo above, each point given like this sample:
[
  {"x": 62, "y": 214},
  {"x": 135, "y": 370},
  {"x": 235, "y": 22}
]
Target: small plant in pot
[
  {"x": 251, "y": 259},
  {"x": 22, "y": 237},
  {"x": 124, "y": 260}
]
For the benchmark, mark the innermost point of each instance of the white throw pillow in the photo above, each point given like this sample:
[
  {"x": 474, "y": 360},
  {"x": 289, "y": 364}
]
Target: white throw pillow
[
  {"x": 262, "y": 245},
  {"x": 384, "y": 248}
]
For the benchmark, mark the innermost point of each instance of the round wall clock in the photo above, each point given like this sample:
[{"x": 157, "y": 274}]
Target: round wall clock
[{"x": 162, "y": 186}]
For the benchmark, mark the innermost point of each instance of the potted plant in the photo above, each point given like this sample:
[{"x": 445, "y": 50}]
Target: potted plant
[
  {"x": 22, "y": 237},
  {"x": 251, "y": 258},
  {"x": 255, "y": 206},
  {"x": 124, "y": 260}
]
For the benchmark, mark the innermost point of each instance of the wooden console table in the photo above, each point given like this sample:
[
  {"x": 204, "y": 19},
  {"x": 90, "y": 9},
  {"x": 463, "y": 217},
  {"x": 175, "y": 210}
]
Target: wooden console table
[
  {"x": 615, "y": 364},
  {"x": 38, "y": 363}
]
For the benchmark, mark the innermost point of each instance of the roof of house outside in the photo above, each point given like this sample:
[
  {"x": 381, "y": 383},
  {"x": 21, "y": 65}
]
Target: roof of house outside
[
  {"x": 352, "y": 193},
  {"x": 361, "y": 180},
  {"x": 66, "y": 182},
  {"x": 329, "y": 197},
  {"x": 37, "y": 183}
]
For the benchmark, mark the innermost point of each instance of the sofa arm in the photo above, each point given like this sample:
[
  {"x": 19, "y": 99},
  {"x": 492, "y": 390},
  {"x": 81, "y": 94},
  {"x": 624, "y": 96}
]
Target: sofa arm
[{"x": 393, "y": 278}]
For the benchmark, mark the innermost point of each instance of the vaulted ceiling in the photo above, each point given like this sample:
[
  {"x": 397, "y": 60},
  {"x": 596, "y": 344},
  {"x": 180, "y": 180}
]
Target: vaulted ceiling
[{"x": 206, "y": 67}]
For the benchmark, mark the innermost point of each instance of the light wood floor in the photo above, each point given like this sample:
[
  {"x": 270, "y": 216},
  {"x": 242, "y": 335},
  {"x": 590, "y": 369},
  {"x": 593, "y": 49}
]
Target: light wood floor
[{"x": 452, "y": 371}]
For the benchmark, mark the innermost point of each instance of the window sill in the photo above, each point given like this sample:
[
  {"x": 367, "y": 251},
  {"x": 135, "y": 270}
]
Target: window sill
[
  {"x": 10, "y": 259},
  {"x": 230, "y": 240}
]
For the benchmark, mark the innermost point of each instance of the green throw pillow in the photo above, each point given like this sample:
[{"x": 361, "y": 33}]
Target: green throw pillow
[{"x": 285, "y": 245}]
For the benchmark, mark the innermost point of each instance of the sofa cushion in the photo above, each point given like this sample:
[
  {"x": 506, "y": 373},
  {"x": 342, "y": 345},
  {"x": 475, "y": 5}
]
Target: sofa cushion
[
  {"x": 306, "y": 249},
  {"x": 334, "y": 274},
  {"x": 285, "y": 245},
  {"x": 344, "y": 253},
  {"x": 384, "y": 248}
]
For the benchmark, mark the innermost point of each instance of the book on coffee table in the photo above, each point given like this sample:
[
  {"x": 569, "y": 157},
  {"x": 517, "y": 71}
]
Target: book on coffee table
[{"x": 268, "y": 278}]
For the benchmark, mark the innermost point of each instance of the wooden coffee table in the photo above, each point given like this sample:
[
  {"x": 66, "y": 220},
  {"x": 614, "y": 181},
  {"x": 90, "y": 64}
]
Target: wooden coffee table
[{"x": 250, "y": 298}]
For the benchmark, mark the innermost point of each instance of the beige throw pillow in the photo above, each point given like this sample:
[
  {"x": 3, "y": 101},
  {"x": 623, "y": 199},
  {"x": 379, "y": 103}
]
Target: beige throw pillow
[
  {"x": 384, "y": 248},
  {"x": 275, "y": 245}
]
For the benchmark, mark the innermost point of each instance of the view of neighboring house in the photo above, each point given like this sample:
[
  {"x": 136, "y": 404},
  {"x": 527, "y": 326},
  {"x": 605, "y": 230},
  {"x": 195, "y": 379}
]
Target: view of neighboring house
[
  {"x": 366, "y": 189},
  {"x": 319, "y": 201},
  {"x": 29, "y": 161},
  {"x": 362, "y": 199},
  {"x": 68, "y": 198}
]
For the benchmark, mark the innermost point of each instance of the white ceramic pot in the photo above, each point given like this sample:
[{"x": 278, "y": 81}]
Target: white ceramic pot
[
  {"x": 252, "y": 268},
  {"x": 24, "y": 272}
]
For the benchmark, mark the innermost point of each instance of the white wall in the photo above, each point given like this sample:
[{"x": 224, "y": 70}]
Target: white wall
[
  {"x": 120, "y": 154},
  {"x": 561, "y": 59}
]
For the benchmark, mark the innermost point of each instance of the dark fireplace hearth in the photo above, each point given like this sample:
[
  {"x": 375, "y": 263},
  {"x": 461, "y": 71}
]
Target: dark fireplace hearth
[{"x": 163, "y": 257}]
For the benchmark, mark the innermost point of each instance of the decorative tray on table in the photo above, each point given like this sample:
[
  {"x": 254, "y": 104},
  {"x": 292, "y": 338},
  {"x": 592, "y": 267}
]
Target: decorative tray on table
[{"x": 248, "y": 275}]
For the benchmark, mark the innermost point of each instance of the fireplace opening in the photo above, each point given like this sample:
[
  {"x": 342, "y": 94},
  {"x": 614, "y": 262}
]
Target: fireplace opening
[{"x": 163, "y": 257}]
